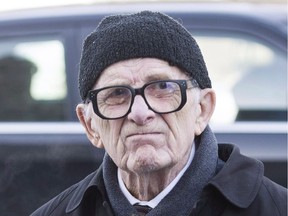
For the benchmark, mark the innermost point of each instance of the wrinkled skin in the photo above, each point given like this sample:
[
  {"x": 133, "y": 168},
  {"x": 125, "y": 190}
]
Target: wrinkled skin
[{"x": 150, "y": 149}]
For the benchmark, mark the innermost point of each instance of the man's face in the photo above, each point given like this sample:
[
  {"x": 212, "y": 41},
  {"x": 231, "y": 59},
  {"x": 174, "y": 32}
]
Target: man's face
[{"x": 144, "y": 141}]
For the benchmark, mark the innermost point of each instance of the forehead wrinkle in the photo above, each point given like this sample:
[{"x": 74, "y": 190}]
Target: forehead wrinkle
[
  {"x": 136, "y": 72},
  {"x": 114, "y": 75},
  {"x": 107, "y": 80}
]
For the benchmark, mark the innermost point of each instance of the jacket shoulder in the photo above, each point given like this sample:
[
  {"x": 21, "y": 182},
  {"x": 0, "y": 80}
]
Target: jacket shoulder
[
  {"x": 271, "y": 199},
  {"x": 247, "y": 191},
  {"x": 60, "y": 202},
  {"x": 275, "y": 194}
]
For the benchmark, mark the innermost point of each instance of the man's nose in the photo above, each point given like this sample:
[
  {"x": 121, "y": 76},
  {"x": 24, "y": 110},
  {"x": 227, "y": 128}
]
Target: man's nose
[{"x": 140, "y": 112}]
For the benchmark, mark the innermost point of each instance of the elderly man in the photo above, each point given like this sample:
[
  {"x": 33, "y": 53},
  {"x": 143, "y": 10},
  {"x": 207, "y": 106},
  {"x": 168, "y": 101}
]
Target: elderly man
[{"x": 147, "y": 100}]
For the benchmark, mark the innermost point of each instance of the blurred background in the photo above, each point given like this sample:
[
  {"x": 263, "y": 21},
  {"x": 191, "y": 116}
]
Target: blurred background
[{"x": 18, "y": 4}]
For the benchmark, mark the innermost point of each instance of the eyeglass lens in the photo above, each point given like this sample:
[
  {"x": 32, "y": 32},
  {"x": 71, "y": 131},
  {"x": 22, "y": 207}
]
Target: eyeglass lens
[{"x": 162, "y": 97}]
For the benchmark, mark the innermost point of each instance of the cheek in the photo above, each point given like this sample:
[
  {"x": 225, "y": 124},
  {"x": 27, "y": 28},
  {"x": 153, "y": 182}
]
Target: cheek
[
  {"x": 182, "y": 127},
  {"x": 109, "y": 132},
  {"x": 186, "y": 118}
]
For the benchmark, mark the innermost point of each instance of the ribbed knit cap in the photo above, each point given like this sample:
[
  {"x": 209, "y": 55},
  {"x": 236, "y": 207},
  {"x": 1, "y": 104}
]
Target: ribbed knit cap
[{"x": 140, "y": 35}]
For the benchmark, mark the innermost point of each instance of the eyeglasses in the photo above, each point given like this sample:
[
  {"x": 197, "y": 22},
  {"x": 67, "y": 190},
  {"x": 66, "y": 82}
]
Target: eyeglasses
[{"x": 163, "y": 96}]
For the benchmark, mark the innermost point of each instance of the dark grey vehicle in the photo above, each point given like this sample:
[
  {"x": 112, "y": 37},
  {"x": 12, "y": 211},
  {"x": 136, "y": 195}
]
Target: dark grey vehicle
[{"x": 43, "y": 148}]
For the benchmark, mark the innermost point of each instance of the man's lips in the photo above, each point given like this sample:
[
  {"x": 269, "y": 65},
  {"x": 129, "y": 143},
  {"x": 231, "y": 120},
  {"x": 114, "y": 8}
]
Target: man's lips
[
  {"x": 142, "y": 134},
  {"x": 135, "y": 140}
]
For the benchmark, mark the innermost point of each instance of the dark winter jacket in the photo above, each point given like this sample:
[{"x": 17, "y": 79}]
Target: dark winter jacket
[{"x": 239, "y": 188}]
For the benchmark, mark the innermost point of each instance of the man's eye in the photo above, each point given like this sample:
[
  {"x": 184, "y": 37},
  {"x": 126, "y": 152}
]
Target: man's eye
[
  {"x": 163, "y": 85},
  {"x": 117, "y": 96},
  {"x": 120, "y": 92},
  {"x": 167, "y": 86}
]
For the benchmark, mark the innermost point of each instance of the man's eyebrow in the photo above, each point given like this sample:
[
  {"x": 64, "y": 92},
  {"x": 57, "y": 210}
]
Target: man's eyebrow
[
  {"x": 155, "y": 77},
  {"x": 112, "y": 81}
]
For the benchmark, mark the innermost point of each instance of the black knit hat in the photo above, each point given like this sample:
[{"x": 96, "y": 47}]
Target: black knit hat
[{"x": 140, "y": 35}]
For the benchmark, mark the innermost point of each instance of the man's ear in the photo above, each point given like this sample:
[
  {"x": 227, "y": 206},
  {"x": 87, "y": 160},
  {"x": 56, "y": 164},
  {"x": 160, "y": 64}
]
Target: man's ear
[
  {"x": 86, "y": 121},
  {"x": 207, "y": 104}
]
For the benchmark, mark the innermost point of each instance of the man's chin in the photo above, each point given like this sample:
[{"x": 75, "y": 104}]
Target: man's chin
[{"x": 144, "y": 161}]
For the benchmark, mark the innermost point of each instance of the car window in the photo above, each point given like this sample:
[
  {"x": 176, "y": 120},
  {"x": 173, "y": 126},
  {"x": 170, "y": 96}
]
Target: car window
[
  {"x": 32, "y": 80},
  {"x": 250, "y": 78}
]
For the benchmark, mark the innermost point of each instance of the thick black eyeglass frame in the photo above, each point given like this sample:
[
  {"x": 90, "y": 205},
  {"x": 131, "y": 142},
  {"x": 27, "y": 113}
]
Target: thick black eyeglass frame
[{"x": 92, "y": 96}]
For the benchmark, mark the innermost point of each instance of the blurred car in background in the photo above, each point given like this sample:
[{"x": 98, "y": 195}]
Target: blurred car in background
[{"x": 43, "y": 148}]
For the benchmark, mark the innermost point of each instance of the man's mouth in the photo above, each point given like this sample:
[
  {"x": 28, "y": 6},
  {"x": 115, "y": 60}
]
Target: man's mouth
[{"x": 143, "y": 134}]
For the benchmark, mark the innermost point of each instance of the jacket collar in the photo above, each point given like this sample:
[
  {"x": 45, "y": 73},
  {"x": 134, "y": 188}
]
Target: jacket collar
[
  {"x": 240, "y": 188},
  {"x": 91, "y": 181},
  {"x": 240, "y": 178}
]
